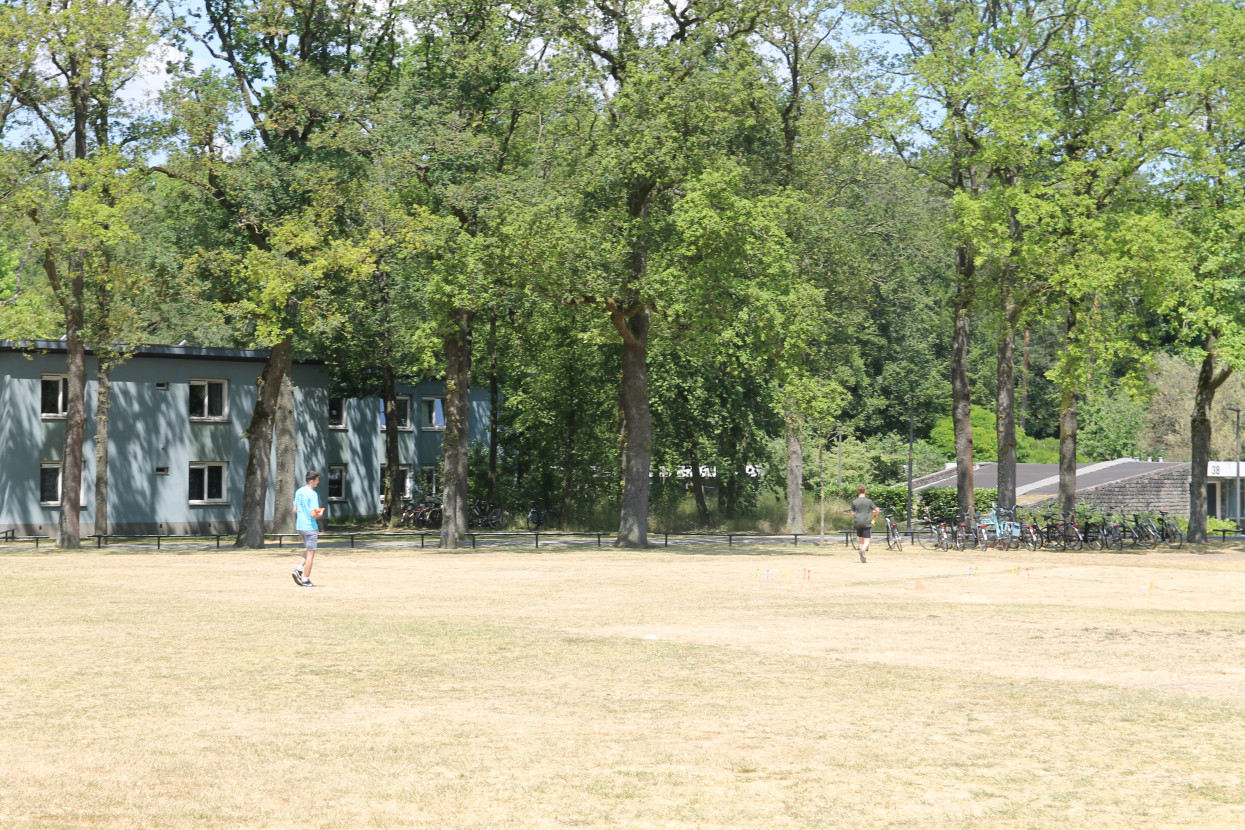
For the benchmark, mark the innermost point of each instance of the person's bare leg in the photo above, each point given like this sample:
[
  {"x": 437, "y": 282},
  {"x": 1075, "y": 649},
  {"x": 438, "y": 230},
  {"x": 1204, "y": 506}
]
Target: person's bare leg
[
  {"x": 864, "y": 546},
  {"x": 309, "y": 556}
]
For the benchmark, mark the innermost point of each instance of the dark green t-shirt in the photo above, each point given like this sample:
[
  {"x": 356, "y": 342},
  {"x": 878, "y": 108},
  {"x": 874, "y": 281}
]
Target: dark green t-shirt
[{"x": 862, "y": 511}]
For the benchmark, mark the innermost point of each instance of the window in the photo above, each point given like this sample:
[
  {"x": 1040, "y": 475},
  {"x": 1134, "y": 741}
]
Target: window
[
  {"x": 402, "y": 407},
  {"x": 337, "y": 413},
  {"x": 433, "y": 413},
  {"x": 207, "y": 399},
  {"x": 337, "y": 482},
  {"x": 54, "y": 397},
  {"x": 430, "y": 478},
  {"x": 405, "y": 475},
  {"x": 207, "y": 483},
  {"x": 49, "y": 484},
  {"x": 162, "y": 386}
]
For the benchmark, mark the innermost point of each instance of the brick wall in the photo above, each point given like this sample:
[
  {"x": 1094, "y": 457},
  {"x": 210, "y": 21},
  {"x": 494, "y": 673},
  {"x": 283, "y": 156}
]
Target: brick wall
[{"x": 1165, "y": 490}]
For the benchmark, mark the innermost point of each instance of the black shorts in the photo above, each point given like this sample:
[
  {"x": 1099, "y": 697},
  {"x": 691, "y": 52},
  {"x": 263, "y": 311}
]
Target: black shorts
[{"x": 864, "y": 532}]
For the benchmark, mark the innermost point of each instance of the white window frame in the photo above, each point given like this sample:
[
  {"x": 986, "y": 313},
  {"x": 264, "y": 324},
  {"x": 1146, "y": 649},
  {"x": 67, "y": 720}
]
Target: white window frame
[
  {"x": 343, "y": 399},
  {"x": 224, "y": 482},
  {"x": 402, "y": 426},
  {"x": 328, "y": 483},
  {"x": 405, "y": 469},
  {"x": 427, "y": 416},
  {"x": 430, "y": 479},
  {"x": 224, "y": 398},
  {"x": 50, "y": 465},
  {"x": 62, "y": 398}
]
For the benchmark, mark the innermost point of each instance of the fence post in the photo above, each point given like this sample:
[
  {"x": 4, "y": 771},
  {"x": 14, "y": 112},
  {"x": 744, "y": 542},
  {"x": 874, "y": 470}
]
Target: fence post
[
  {"x": 537, "y": 534},
  {"x": 729, "y": 540}
]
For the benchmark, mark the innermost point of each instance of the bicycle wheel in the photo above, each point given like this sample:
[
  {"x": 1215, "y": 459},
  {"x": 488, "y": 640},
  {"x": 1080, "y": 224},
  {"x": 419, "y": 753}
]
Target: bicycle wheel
[
  {"x": 1072, "y": 538},
  {"x": 1172, "y": 536},
  {"x": 895, "y": 541},
  {"x": 1030, "y": 539},
  {"x": 1053, "y": 538},
  {"x": 1094, "y": 536},
  {"x": 927, "y": 539},
  {"x": 532, "y": 520}
]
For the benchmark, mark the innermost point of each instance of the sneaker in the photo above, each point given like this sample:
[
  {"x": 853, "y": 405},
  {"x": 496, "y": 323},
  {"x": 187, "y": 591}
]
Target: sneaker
[
  {"x": 306, "y": 583},
  {"x": 862, "y": 556},
  {"x": 297, "y": 573}
]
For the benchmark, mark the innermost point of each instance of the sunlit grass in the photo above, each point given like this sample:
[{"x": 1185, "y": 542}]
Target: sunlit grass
[{"x": 701, "y": 687}]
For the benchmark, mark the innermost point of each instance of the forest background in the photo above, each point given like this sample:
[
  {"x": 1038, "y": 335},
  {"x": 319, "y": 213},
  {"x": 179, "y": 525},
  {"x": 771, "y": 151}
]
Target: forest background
[{"x": 735, "y": 236}]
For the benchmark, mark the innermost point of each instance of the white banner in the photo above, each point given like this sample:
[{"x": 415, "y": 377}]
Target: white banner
[{"x": 1222, "y": 469}]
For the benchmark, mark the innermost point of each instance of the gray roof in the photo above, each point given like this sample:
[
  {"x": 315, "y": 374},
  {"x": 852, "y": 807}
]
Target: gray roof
[
  {"x": 1040, "y": 480},
  {"x": 153, "y": 350}
]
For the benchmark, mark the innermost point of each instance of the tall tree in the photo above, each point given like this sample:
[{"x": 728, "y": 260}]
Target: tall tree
[
  {"x": 298, "y": 71},
  {"x": 962, "y": 72},
  {"x": 666, "y": 95},
  {"x": 1208, "y": 175},
  {"x": 65, "y": 65}
]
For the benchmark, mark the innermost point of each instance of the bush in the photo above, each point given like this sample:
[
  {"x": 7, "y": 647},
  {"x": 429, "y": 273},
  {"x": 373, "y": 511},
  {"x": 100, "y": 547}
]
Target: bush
[{"x": 942, "y": 501}]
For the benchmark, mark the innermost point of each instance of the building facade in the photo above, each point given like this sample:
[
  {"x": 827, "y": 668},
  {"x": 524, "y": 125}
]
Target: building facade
[{"x": 177, "y": 451}]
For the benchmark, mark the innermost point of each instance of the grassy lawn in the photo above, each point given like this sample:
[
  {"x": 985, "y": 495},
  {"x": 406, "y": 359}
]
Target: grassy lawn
[{"x": 695, "y": 687}]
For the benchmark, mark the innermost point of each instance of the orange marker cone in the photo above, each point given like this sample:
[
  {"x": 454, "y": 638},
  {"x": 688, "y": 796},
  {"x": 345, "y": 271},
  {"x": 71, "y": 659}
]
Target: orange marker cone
[
  {"x": 919, "y": 586},
  {"x": 1151, "y": 584}
]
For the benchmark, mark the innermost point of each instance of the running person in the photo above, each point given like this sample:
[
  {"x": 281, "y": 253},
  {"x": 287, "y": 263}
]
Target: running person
[
  {"x": 864, "y": 511},
  {"x": 306, "y": 509}
]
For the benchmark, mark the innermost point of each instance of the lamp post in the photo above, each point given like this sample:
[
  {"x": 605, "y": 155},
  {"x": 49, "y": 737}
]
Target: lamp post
[
  {"x": 911, "y": 444},
  {"x": 1237, "y": 472}
]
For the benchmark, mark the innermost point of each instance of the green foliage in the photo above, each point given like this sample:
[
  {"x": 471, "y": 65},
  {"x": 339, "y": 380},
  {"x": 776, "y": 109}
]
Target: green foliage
[
  {"x": 1110, "y": 427},
  {"x": 941, "y": 501}
]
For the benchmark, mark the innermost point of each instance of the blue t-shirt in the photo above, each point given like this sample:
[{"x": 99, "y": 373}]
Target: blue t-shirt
[{"x": 305, "y": 501}]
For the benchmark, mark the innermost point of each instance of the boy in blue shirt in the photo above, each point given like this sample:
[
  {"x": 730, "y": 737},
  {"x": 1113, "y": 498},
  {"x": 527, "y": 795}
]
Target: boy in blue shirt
[{"x": 306, "y": 510}]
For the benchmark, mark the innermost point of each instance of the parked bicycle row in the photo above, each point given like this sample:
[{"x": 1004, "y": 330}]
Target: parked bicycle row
[
  {"x": 429, "y": 511},
  {"x": 1094, "y": 528}
]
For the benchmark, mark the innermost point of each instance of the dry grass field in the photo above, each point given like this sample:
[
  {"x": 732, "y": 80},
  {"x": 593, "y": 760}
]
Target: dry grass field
[{"x": 696, "y": 687}]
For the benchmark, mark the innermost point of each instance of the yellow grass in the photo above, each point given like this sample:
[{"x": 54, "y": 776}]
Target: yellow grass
[{"x": 674, "y": 688}]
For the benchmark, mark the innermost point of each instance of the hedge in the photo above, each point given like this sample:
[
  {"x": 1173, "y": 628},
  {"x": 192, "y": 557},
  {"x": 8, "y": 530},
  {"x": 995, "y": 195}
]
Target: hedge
[{"x": 942, "y": 501}]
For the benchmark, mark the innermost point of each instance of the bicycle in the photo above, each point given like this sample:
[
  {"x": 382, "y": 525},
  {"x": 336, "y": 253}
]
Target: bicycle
[
  {"x": 1172, "y": 537},
  {"x": 893, "y": 540},
  {"x": 1146, "y": 534},
  {"x": 936, "y": 536},
  {"x": 538, "y": 517},
  {"x": 1031, "y": 534},
  {"x": 498, "y": 518}
]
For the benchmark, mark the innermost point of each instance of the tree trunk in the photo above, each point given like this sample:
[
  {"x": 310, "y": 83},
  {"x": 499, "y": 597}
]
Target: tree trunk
[
  {"x": 1208, "y": 382},
  {"x": 961, "y": 401},
  {"x": 493, "y": 409},
  {"x": 455, "y": 442},
  {"x": 1023, "y": 420},
  {"x": 287, "y": 460},
  {"x": 637, "y": 443},
  {"x": 698, "y": 488},
  {"x": 69, "y": 529},
  {"x": 795, "y": 475},
  {"x": 1067, "y": 430},
  {"x": 259, "y": 436},
  {"x": 1006, "y": 404},
  {"x": 1067, "y": 449},
  {"x": 392, "y": 486},
  {"x": 103, "y": 404},
  {"x": 568, "y": 458}
]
